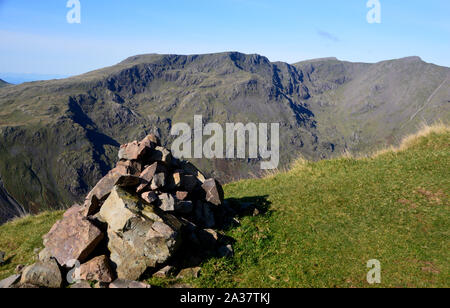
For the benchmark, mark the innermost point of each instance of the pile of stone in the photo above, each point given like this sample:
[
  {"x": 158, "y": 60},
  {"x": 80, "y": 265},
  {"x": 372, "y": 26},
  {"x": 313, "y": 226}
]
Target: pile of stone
[{"x": 151, "y": 215}]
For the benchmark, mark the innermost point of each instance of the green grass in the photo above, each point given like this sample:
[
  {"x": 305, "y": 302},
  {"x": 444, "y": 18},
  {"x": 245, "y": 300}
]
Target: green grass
[
  {"x": 325, "y": 221},
  {"x": 21, "y": 237}
]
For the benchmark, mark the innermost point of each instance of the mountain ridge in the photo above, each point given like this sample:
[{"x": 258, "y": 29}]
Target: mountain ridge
[{"x": 57, "y": 138}]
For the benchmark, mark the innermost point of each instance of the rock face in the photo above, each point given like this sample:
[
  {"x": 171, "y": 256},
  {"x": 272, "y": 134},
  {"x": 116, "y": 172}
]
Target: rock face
[{"x": 135, "y": 220}]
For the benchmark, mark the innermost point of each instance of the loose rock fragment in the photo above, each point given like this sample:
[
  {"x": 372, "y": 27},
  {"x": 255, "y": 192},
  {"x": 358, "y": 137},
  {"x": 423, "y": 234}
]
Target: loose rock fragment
[
  {"x": 42, "y": 274},
  {"x": 120, "y": 207},
  {"x": 214, "y": 192},
  {"x": 97, "y": 269},
  {"x": 167, "y": 202},
  {"x": 182, "y": 195},
  {"x": 164, "y": 272},
  {"x": 142, "y": 240},
  {"x": 9, "y": 282},
  {"x": 72, "y": 238}
]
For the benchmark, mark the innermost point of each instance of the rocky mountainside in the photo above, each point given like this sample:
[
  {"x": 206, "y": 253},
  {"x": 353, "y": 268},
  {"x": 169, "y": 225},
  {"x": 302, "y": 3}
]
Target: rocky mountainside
[
  {"x": 361, "y": 107},
  {"x": 58, "y": 138},
  {"x": 9, "y": 208}
]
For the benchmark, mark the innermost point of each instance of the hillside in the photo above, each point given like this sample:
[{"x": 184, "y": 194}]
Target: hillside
[
  {"x": 324, "y": 221},
  {"x": 59, "y": 137},
  {"x": 3, "y": 83},
  {"x": 360, "y": 107}
]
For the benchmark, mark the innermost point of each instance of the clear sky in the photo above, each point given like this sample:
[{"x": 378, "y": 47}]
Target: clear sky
[{"x": 35, "y": 36}]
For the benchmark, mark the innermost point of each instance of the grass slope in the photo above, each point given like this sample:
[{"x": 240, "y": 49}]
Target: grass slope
[
  {"x": 325, "y": 221},
  {"x": 21, "y": 237}
]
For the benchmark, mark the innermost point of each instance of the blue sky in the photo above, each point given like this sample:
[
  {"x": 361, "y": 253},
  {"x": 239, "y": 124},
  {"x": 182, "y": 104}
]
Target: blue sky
[{"x": 36, "y": 38}]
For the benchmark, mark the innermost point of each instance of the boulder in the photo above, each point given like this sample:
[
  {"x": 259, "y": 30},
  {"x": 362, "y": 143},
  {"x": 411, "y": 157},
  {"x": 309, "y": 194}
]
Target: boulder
[
  {"x": 72, "y": 238},
  {"x": 128, "y": 284},
  {"x": 145, "y": 245},
  {"x": 141, "y": 238},
  {"x": 9, "y": 282},
  {"x": 97, "y": 269},
  {"x": 42, "y": 274},
  {"x": 214, "y": 192},
  {"x": 120, "y": 207}
]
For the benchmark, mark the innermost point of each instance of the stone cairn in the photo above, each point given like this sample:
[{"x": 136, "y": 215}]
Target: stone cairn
[{"x": 151, "y": 215}]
